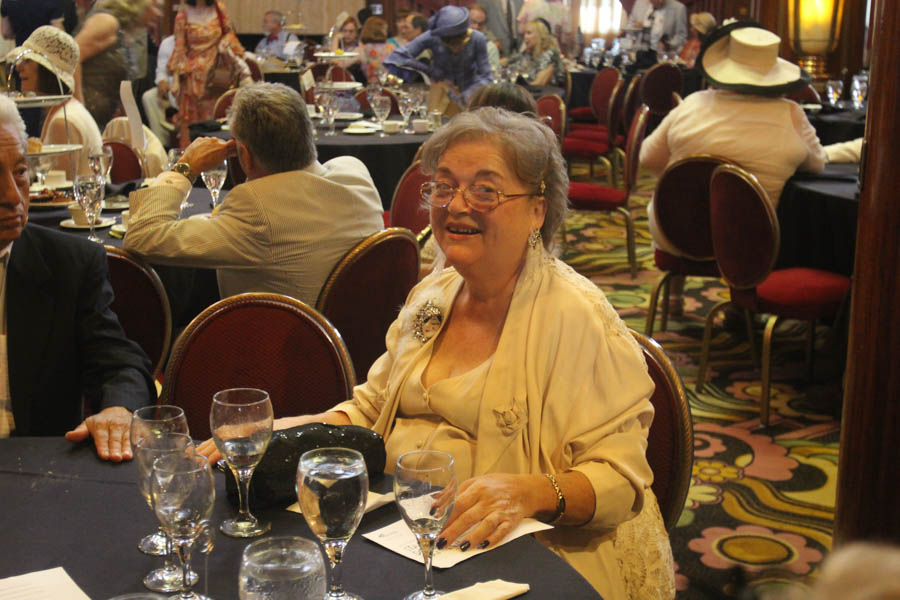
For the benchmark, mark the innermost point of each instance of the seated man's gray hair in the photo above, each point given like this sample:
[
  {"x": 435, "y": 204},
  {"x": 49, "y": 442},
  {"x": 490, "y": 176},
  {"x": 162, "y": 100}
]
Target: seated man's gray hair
[{"x": 9, "y": 116}]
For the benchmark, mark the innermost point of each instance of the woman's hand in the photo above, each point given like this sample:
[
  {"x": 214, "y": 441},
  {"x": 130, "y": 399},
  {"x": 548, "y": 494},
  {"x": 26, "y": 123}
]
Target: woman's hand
[{"x": 494, "y": 505}]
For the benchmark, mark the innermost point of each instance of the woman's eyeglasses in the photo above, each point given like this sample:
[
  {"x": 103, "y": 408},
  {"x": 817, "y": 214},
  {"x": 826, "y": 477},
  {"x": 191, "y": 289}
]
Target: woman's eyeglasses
[{"x": 480, "y": 198}]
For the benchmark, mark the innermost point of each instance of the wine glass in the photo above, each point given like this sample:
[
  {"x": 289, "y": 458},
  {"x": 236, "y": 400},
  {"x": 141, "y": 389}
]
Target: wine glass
[
  {"x": 859, "y": 89},
  {"x": 330, "y": 111},
  {"x": 100, "y": 163},
  {"x": 155, "y": 444},
  {"x": 332, "y": 487},
  {"x": 241, "y": 423},
  {"x": 425, "y": 492},
  {"x": 148, "y": 420},
  {"x": 181, "y": 486},
  {"x": 281, "y": 568},
  {"x": 407, "y": 106},
  {"x": 40, "y": 166},
  {"x": 214, "y": 179},
  {"x": 89, "y": 190},
  {"x": 382, "y": 108},
  {"x": 834, "y": 89},
  {"x": 373, "y": 90}
]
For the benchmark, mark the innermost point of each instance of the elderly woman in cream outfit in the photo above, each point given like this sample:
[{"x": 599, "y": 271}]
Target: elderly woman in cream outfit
[{"x": 519, "y": 367}]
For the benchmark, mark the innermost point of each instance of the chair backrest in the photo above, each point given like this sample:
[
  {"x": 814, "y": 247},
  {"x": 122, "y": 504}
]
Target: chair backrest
[
  {"x": 681, "y": 205},
  {"x": 338, "y": 73},
  {"x": 141, "y": 304},
  {"x": 745, "y": 233},
  {"x": 807, "y": 95},
  {"x": 670, "y": 443},
  {"x": 366, "y": 289},
  {"x": 614, "y": 113},
  {"x": 255, "y": 72},
  {"x": 126, "y": 164},
  {"x": 319, "y": 70},
  {"x": 552, "y": 107},
  {"x": 267, "y": 341},
  {"x": 632, "y": 98},
  {"x": 633, "y": 147},
  {"x": 657, "y": 86},
  {"x": 407, "y": 206},
  {"x": 223, "y": 103},
  {"x": 601, "y": 92},
  {"x": 363, "y": 99}
]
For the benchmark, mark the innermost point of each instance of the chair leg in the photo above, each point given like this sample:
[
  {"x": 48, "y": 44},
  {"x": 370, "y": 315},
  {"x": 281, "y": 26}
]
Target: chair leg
[
  {"x": 611, "y": 178},
  {"x": 662, "y": 284},
  {"x": 810, "y": 350},
  {"x": 766, "y": 370},
  {"x": 707, "y": 336},
  {"x": 664, "y": 318},
  {"x": 748, "y": 318},
  {"x": 629, "y": 240}
]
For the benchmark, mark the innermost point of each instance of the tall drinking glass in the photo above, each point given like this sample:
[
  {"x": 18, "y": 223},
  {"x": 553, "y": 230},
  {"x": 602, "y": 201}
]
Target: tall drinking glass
[
  {"x": 241, "y": 423},
  {"x": 407, "y": 106},
  {"x": 859, "y": 90},
  {"x": 425, "y": 492},
  {"x": 834, "y": 89},
  {"x": 332, "y": 487},
  {"x": 382, "y": 108},
  {"x": 148, "y": 448},
  {"x": 181, "y": 486},
  {"x": 156, "y": 420},
  {"x": 89, "y": 190},
  {"x": 282, "y": 568},
  {"x": 214, "y": 179}
]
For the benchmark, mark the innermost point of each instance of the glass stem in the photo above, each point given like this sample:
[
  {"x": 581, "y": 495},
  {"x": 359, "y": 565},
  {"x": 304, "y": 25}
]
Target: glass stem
[
  {"x": 331, "y": 126},
  {"x": 184, "y": 553},
  {"x": 243, "y": 476},
  {"x": 426, "y": 543},
  {"x": 335, "y": 552},
  {"x": 168, "y": 564}
]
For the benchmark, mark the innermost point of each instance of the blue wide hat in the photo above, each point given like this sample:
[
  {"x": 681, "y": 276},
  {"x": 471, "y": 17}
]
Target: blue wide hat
[{"x": 449, "y": 21}]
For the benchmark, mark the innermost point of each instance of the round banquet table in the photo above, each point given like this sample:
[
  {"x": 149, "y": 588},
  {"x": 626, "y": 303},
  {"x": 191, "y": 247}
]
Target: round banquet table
[
  {"x": 817, "y": 214},
  {"x": 840, "y": 126},
  {"x": 61, "y": 506}
]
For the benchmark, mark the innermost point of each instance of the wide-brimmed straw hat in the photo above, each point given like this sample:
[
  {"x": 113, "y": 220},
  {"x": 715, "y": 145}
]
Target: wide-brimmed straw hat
[
  {"x": 53, "y": 49},
  {"x": 449, "y": 21},
  {"x": 743, "y": 57}
]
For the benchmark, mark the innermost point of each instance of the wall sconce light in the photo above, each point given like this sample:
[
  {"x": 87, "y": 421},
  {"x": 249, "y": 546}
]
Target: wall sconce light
[{"x": 814, "y": 27}]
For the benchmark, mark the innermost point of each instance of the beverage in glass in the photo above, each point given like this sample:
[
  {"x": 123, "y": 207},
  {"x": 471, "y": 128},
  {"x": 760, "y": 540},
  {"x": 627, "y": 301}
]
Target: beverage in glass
[
  {"x": 281, "y": 568},
  {"x": 214, "y": 179},
  {"x": 407, "y": 106},
  {"x": 834, "y": 89},
  {"x": 332, "y": 488},
  {"x": 89, "y": 191},
  {"x": 241, "y": 423},
  {"x": 100, "y": 162},
  {"x": 859, "y": 89}
]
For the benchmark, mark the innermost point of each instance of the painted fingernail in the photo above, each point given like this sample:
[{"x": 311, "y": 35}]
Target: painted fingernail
[
  {"x": 432, "y": 511},
  {"x": 441, "y": 543},
  {"x": 484, "y": 545},
  {"x": 464, "y": 546}
]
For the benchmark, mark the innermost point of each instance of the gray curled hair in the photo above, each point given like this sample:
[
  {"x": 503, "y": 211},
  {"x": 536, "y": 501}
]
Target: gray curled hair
[
  {"x": 271, "y": 120},
  {"x": 9, "y": 116},
  {"x": 531, "y": 148}
]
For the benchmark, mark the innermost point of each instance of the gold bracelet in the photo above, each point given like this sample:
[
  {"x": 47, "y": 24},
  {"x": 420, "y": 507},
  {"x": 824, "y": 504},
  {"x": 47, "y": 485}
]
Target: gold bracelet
[{"x": 560, "y": 500}]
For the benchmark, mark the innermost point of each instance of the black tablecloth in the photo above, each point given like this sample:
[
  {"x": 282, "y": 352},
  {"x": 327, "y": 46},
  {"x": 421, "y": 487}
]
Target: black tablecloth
[
  {"x": 840, "y": 126},
  {"x": 818, "y": 217},
  {"x": 60, "y": 506}
]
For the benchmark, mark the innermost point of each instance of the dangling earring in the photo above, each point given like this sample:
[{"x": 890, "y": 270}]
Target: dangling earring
[{"x": 534, "y": 238}]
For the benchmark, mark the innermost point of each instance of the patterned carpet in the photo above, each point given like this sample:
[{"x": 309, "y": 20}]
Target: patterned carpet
[{"x": 761, "y": 504}]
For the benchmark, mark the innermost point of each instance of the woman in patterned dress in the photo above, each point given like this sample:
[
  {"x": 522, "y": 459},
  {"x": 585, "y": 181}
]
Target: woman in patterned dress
[
  {"x": 374, "y": 49},
  {"x": 540, "y": 61}
]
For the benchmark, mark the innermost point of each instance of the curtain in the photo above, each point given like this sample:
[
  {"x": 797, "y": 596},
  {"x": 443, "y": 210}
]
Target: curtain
[{"x": 599, "y": 17}]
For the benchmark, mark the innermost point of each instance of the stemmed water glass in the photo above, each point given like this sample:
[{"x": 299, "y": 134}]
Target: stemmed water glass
[
  {"x": 89, "y": 191},
  {"x": 214, "y": 179},
  {"x": 181, "y": 486},
  {"x": 281, "y": 568},
  {"x": 241, "y": 423},
  {"x": 101, "y": 162},
  {"x": 382, "y": 108},
  {"x": 407, "y": 106},
  {"x": 373, "y": 90},
  {"x": 834, "y": 89},
  {"x": 40, "y": 166},
  {"x": 332, "y": 487},
  {"x": 859, "y": 89},
  {"x": 425, "y": 492},
  {"x": 155, "y": 444}
]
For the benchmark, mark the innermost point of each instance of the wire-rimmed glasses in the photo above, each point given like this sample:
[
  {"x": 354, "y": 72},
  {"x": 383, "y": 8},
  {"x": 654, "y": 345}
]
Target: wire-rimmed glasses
[{"x": 480, "y": 198}]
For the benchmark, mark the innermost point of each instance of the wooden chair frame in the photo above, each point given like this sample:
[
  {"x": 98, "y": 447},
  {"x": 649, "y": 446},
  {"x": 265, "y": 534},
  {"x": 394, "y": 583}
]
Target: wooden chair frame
[{"x": 562, "y": 111}]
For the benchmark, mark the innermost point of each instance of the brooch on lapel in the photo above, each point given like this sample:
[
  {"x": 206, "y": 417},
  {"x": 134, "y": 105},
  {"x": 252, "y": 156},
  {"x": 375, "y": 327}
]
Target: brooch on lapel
[{"x": 427, "y": 322}]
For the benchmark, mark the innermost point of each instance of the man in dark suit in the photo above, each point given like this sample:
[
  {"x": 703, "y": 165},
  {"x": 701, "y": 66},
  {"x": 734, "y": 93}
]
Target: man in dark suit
[{"x": 62, "y": 348}]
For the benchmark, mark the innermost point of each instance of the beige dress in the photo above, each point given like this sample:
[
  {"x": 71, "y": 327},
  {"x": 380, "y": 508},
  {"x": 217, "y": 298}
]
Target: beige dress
[
  {"x": 566, "y": 389},
  {"x": 82, "y": 129}
]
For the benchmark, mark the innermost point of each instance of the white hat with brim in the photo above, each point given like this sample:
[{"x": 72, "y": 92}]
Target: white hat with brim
[
  {"x": 53, "y": 49},
  {"x": 743, "y": 57}
]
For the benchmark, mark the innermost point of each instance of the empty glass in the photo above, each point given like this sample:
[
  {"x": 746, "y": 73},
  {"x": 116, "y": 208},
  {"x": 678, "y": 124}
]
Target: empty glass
[
  {"x": 214, "y": 179},
  {"x": 40, "y": 166},
  {"x": 425, "y": 492},
  {"x": 859, "y": 90},
  {"x": 332, "y": 488},
  {"x": 834, "y": 89},
  {"x": 241, "y": 423},
  {"x": 408, "y": 104},
  {"x": 382, "y": 108},
  {"x": 89, "y": 191},
  {"x": 281, "y": 568}
]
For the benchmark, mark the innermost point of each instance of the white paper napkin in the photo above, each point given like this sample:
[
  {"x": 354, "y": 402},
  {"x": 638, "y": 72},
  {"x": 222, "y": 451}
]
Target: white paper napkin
[
  {"x": 398, "y": 538},
  {"x": 496, "y": 589},
  {"x": 41, "y": 585},
  {"x": 374, "y": 501}
]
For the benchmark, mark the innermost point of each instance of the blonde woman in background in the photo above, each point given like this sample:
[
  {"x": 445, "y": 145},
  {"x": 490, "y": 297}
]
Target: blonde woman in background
[{"x": 540, "y": 61}]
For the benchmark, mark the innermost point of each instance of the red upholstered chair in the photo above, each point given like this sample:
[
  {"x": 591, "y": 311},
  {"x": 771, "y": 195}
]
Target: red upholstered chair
[
  {"x": 601, "y": 92},
  {"x": 670, "y": 443},
  {"x": 632, "y": 99},
  {"x": 338, "y": 73},
  {"x": 589, "y": 196},
  {"x": 364, "y": 105},
  {"x": 366, "y": 289},
  {"x": 407, "y": 206},
  {"x": 220, "y": 110},
  {"x": 319, "y": 70},
  {"x": 141, "y": 304},
  {"x": 745, "y": 238},
  {"x": 661, "y": 90},
  {"x": 267, "y": 341},
  {"x": 552, "y": 108},
  {"x": 126, "y": 164},
  {"x": 255, "y": 71},
  {"x": 594, "y": 145},
  {"x": 681, "y": 205},
  {"x": 807, "y": 95}
]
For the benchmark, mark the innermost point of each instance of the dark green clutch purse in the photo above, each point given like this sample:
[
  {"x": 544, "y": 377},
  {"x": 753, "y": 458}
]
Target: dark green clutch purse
[{"x": 274, "y": 480}]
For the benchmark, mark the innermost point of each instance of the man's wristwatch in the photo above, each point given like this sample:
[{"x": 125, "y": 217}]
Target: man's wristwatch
[{"x": 183, "y": 168}]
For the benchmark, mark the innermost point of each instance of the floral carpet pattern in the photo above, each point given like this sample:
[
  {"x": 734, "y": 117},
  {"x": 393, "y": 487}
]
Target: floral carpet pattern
[{"x": 760, "y": 508}]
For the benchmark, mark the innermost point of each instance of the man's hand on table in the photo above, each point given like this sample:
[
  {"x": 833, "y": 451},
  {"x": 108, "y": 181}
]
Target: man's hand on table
[
  {"x": 207, "y": 152},
  {"x": 111, "y": 430}
]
